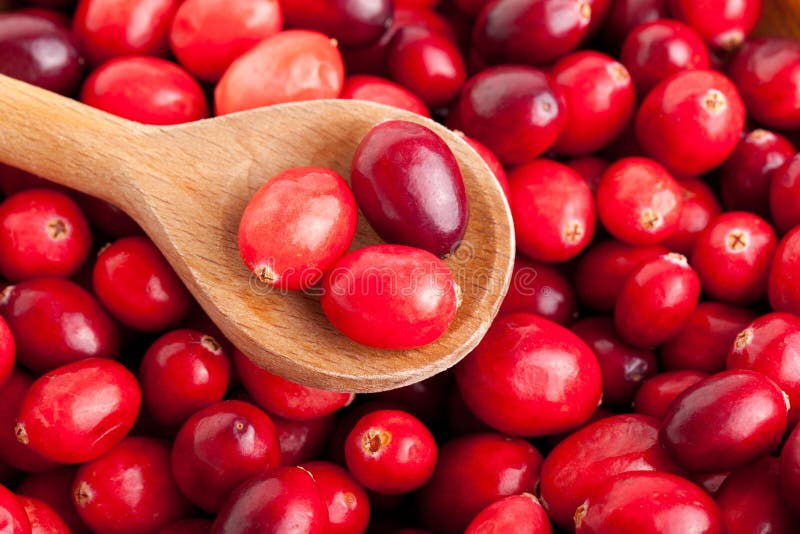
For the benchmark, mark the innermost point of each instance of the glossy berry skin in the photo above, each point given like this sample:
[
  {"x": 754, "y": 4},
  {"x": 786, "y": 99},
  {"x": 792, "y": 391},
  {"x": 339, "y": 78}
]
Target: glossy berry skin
[
  {"x": 491, "y": 160},
  {"x": 784, "y": 194},
  {"x": 724, "y": 24},
  {"x": 8, "y": 351},
  {"x": 55, "y": 322},
  {"x": 655, "y": 50},
  {"x": 704, "y": 341},
  {"x": 784, "y": 276},
  {"x": 44, "y": 233},
  {"x": 517, "y": 112},
  {"x": 622, "y": 367},
  {"x": 182, "y": 372},
  {"x": 765, "y": 70},
  {"x": 218, "y": 448},
  {"x": 390, "y": 452},
  {"x": 347, "y": 502},
  {"x": 656, "y": 394},
  {"x": 656, "y": 301},
  {"x": 283, "y": 397},
  {"x": 691, "y": 122},
  {"x": 530, "y": 32},
  {"x": 732, "y": 257},
  {"x": 43, "y": 519},
  {"x": 13, "y": 518},
  {"x": 353, "y": 24},
  {"x": 748, "y": 173},
  {"x": 79, "y": 411},
  {"x": 54, "y": 487},
  {"x": 553, "y": 211},
  {"x": 359, "y": 301},
  {"x": 280, "y": 500},
  {"x": 474, "y": 471},
  {"x": 38, "y": 51},
  {"x": 315, "y": 207},
  {"x": 700, "y": 206},
  {"x": 591, "y": 169},
  {"x": 595, "y": 453},
  {"x": 108, "y": 501},
  {"x": 498, "y": 379},
  {"x": 625, "y": 15},
  {"x": 630, "y": 503},
  {"x": 302, "y": 441},
  {"x": 516, "y": 513},
  {"x": 541, "y": 289},
  {"x": 408, "y": 185},
  {"x": 790, "y": 469},
  {"x": 382, "y": 91},
  {"x": 289, "y": 66},
  {"x": 108, "y": 29},
  {"x": 639, "y": 202},
  {"x": 13, "y": 390},
  {"x": 600, "y": 100},
  {"x": 769, "y": 346},
  {"x": 137, "y": 285},
  {"x": 703, "y": 431}
]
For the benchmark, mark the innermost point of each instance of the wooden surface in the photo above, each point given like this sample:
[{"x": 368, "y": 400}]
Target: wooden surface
[
  {"x": 187, "y": 185},
  {"x": 780, "y": 18}
]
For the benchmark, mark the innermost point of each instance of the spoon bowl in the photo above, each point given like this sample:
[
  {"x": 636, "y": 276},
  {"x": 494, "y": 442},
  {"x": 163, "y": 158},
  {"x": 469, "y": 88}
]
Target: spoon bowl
[{"x": 187, "y": 186}]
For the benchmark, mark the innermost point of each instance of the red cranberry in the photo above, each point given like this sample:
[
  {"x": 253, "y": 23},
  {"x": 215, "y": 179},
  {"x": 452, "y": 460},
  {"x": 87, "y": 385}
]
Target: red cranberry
[
  {"x": 553, "y": 210},
  {"x": 784, "y": 195},
  {"x": 423, "y": 400},
  {"x": 472, "y": 472},
  {"x": 516, "y": 513},
  {"x": 136, "y": 284},
  {"x": 408, "y": 301},
  {"x": 704, "y": 342},
  {"x": 290, "y": 66},
  {"x": 55, "y": 322},
  {"x": 748, "y": 173},
  {"x": 13, "y": 518},
  {"x": 491, "y": 160},
  {"x": 302, "y": 441},
  {"x": 625, "y": 15},
  {"x": 631, "y": 503},
  {"x": 219, "y": 447},
  {"x": 541, "y": 289},
  {"x": 107, "y": 29},
  {"x": 590, "y": 168},
  {"x": 518, "y": 112},
  {"x": 700, "y": 206},
  {"x": 54, "y": 488},
  {"x": 43, "y": 519},
  {"x": 656, "y": 394},
  {"x": 732, "y": 257},
  {"x": 347, "y": 502},
  {"x": 691, "y": 122},
  {"x": 595, "y": 453},
  {"x": 382, "y": 91},
  {"x": 281, "y": 500},
  {"x": 352, "y": 23},
  {"x": 107, "y": 218},
  {"x": 8, "y": 351},
  {"x": 409, "y": 186},
  {"x": 129, "y": 489},
  {"x": 639, "y": 202},
  {"x": 790, "y": 469},
  {"x": 312, "y": 203},
  {"x": 13, "y": 390},
  {"x": 784, "y": 276},
  {"x": 188, "y": 526},
  {"x": 520, "y": 349},
  {"x": 725, "y": 24},
  {"x": 14, "y": 180},
  {"x": 703, "y": 430},
  {"x": 766, "y": 72}
]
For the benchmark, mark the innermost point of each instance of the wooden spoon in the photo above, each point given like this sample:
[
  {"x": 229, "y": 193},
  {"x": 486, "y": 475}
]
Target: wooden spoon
[{"x": 187, "y": 186}]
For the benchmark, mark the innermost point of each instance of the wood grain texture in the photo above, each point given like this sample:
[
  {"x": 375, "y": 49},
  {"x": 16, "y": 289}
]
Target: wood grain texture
[
  {"x": 187, "y": 186},
  {"x": 780, "y": 18}
]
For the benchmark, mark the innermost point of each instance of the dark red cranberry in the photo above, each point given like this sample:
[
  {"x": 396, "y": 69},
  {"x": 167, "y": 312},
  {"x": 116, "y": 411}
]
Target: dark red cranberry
[
  {"x": 784, "y": 276},
  {"x": 107, "y": 218},
  {"x": 13, "y": 518},
  {"x": 518, "y": 112},
  {"x": 541, "y": 289},
  {"x": 54, "y": 488},
  {"x": 700, "y": 206},
  {"x": 347, "y": 502},
  {"x": 784, "y": 195},
  {"x": 625, "y": 15},
  {"x": 43, "y": 519},
  {"x": 590, "y": 168},
  {"x": 790, "y": 469},
  {"x": 14, "y": 180},
  {"x": 48, "y": 10},
  {"x": 656, "y": 394},
  {"x": 352, "y": 23},
  {"x": 382, "y": 91},
  {"x": 491, "y": 160},
  {"x": 424, "y": 400},
  {"x": 515, "y": 513},
  {"x": 553, "y": 210},
  {"x": 13, "y": 390},
  {"x": 188, "y": 526},
  {"x": 8, "y": 351},
  {"x": 303, "y": 441},
  {"x": 725, "y": 24}
]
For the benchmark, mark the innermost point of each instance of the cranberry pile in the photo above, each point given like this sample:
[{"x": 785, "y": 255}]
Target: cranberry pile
[{"x": 643, "y": 375}]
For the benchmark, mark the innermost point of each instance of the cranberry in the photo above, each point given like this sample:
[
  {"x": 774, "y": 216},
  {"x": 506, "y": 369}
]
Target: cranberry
[
  {"x": 703, "y": 430},
  {"x": 472, "y": 472},
  {"x": 748, "y": 173},
  {"x": 491, "y": 160},
  {"x": 302, "y": 441},
  {"x": 531, "y": 32},
  {"x": 656, "y": 301},
  {"x": 12, "y": 452},
  {"x": 622, "y": 367},
  {"x": 784, "y": 195},
  {"x": 55, "y": 321},
  {"x": 281, "y": 500},
  {"x": 541, "y": 289},
  {"x": 182, "y": 372},
  {"x": 40, "y": 52},
  {"x": 639, "y": 202},
  {"x": 790, "y": 469},
  {"x": 656, "y": 50},
  {"x": 423, "y": 400},
  {"x": 590, "y": 168},
  {"x": 691, "y": 122},
  {"x": 352, "y": 23},
  {"x": 43, "y": 519},
  {"x": 285, "y": 398},
  {"x": 188, "y": 526},
  {"x": 595, "y": 453},
  {"x": 106, "y": 217},
  {"x": 107, "y": 29},
  {"x": 54, "y": 488},
  {"x": 376, "y": 89},
  {"x": 109, "y": 500},
  {"x": 516, "y": 513},
  {"x": 522, "y": 349},
  {"x": 13, "y": 518},
  {"x": 14, "y": 180},
  {"x": 79, "y": 411},
  {"x": 630, "y": 503},
  {"x": 656, "y": 394},
  {"x": 725, "y": 24},
  {"x": 290, "y": 66},
  {"x": 518, "y": 112},
  {"x": 347, "y": 502},
  {"x": 391, "y": 296},
  {"x": 784, "y": 276},
  {"x": 625, "y": 15},
  {"x": 704, "y": 341},
  {"x": 615, "y": 260},
  {"x": 409, "y": 186},
  {"x": 700, "y": 206},
  {"x": 8, "y": 351},
  {"x": 316, "y": 207},
  {"x": 732, "y": 257},
  {"x": 219, "y": 447},
  {"x": 136, "y": 284}
]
